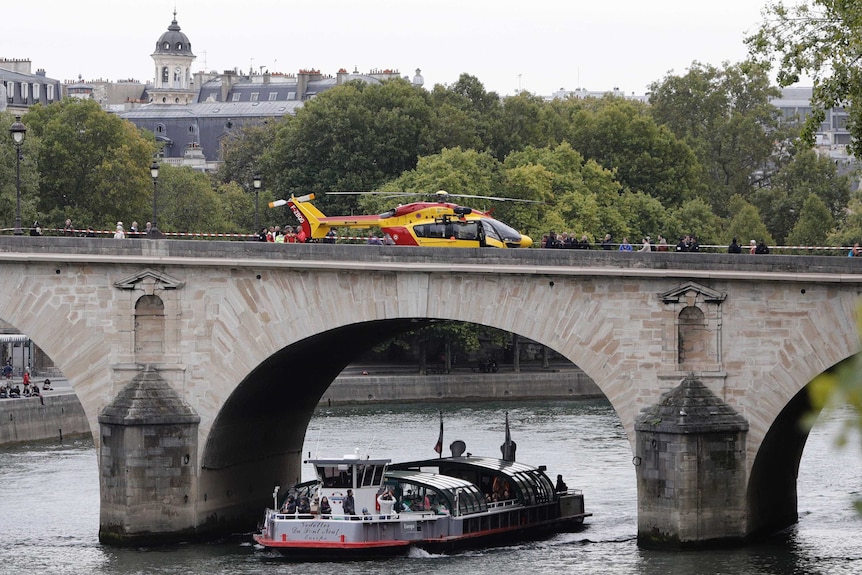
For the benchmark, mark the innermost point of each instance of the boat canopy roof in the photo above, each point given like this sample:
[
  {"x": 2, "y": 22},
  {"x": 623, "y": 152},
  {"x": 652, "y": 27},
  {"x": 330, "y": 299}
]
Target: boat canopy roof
[
  {"x": 348, "y": 460},
  {"x": 528, "y": 484},
  {"x": 456, "y": 493}
]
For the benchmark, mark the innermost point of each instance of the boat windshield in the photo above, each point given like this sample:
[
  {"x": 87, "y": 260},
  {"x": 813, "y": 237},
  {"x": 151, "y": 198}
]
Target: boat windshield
[{"x": 342, "y": 475}]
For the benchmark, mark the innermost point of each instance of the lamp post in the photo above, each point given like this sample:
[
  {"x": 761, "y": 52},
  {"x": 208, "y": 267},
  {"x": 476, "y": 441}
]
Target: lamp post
[
  {"x": 18, "y": 130},
  {"x": 154, "y": 172},
  {"x": 257, "y": 182}
]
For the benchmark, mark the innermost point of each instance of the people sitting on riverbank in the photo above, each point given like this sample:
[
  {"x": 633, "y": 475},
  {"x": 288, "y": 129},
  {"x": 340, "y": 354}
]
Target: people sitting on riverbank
[{"x": 46, "y": 386}]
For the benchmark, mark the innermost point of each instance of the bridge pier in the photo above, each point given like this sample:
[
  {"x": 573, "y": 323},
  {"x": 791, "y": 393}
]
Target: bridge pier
[
  {"x": 691, "y": 470},
  {"x": 148, "y": 461}
]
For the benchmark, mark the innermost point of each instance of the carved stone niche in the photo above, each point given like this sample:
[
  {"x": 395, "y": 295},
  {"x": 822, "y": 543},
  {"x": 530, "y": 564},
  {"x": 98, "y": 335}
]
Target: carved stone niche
[
  {"x": 153, "y": 308},
  {"x": 693, "y": 329}
]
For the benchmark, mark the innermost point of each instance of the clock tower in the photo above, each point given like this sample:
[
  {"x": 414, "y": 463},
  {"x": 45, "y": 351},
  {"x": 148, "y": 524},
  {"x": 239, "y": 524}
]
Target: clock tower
[{"x": 173, "y": 59}]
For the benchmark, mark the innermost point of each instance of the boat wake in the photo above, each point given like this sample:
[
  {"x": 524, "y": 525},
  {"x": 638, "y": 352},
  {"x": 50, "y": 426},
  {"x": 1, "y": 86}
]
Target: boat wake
[{"x": 419, "y": 553}]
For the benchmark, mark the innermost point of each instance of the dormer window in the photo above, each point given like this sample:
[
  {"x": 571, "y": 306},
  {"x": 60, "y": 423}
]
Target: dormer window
[{"x": 167, "y": 45}]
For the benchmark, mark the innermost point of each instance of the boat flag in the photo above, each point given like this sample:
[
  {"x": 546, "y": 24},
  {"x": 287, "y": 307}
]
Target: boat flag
[
  {"x": 508, "y": 448},
  {"x": 439, "y": 446}
]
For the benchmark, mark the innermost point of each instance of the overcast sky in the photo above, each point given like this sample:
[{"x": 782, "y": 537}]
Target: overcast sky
[{"x": 535, "y": 45}]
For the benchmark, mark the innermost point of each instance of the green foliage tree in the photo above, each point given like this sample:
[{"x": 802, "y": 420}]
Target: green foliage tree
[
  {"x": 519, "y": 123},
  {"x": 352, "y": 137},
  {"x": 243, "y": 150},
  {"x": 92, "y": 164},
  {"x": 746, "y": 223},
  {"x": 814, "y": 224},
  {"x": 696, "y": 218},
  {"x": 187, "y": 202},
  {"x": 622, "y": 136},
  {"x": 849, "y": 231},
  {"x": 819, "y": 39},
  {"x": 577, "y": 196},
  {"x": 807, "y": 173},
  {"x": 460, "y": 116},
  {"x": 725, "y": 115}
]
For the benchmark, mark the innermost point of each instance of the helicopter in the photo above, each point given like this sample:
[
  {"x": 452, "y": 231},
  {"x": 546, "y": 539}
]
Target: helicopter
[{"x": 435, "y": 222}]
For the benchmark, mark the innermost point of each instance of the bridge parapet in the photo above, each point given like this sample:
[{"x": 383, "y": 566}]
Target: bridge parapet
[{"x": 351, "y": 256}]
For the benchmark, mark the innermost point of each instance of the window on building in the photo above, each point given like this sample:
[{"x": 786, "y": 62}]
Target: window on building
[
  {"x": 10, "y": 91},
  {"x": 179, "y": 45},
  {"x": 273, "y": 96},
  {"x": 160, "y": 129},
  {"x": 36, "y": 91},
  {"x": 50, "y": 90},
  {"x": 291, "y": 95},
  {"x": 165, "y": 75},
  {"x": 254, "y": 96},
  {"x": 25, "y": 92},
  {"x": 235, "y": 97}
]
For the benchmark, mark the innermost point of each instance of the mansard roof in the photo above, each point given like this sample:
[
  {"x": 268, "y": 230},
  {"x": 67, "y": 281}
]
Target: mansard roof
[{"x": 213, "y": 110}]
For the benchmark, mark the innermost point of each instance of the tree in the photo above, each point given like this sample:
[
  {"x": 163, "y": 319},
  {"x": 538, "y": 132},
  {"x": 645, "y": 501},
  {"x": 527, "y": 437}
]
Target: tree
[
  {"x": 819, "y": 39},
  {"x": 622, "y": 136},
  {"x": 696, "y": 218},
  {"x": 520, "y": 123},
  {"x": 461, "y": 116},
  {"x": 353, "y": 137},
  {"x": 187, "y": 202},
  {"x": 850, "y": 229},
  {"x": 577, "y": 195},
  {"x": 243, "y": 150},
  {"x": 746, "y": 222},
  {"x": 814, "y": 224},
  {"x": 726, "y": 117},
  {"x": 92, "y": 164},
  {"x": 806, "y": 174}
]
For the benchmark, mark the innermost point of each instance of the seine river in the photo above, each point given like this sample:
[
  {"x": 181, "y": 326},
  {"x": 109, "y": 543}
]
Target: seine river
[{"x": 49, "y": 501}]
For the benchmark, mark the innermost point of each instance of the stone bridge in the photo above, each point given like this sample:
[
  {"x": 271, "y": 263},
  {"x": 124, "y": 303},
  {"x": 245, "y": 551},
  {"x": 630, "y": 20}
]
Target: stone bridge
[{"x": 170, "y": 345}]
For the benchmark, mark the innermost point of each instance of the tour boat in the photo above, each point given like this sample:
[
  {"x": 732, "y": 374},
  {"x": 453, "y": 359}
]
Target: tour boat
[{"x": 441, "y": 504}]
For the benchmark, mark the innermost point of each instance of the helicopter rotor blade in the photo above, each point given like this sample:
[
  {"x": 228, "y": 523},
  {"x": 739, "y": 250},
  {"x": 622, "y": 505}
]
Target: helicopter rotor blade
[{"x": 440, "y": 195}]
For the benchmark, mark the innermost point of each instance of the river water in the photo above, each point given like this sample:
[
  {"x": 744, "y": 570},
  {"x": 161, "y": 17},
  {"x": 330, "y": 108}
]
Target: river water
[{"x": 49, "y": 501}]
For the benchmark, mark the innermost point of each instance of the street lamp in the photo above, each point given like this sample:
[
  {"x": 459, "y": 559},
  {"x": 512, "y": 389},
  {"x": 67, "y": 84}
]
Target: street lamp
[
  {"x": 18, "y": 130},
  {"x": 257, "y": 183},
  {"x": 154, "y": 172}
]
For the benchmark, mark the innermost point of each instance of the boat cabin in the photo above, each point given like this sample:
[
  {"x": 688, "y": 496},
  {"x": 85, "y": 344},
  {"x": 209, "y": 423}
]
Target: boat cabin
[{"x": 335, "y": 476}]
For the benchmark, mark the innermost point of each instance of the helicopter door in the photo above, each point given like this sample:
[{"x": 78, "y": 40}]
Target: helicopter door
[
  {"x": 490, "y": 234},
  {"x": 468, "y": 231}
]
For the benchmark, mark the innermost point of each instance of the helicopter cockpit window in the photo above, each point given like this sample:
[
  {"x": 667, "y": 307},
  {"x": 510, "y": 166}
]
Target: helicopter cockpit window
[
  {"x": 490, "y": 231},
  {"x": 503, "y": 232},
  {"x": 388, "y": 214}
]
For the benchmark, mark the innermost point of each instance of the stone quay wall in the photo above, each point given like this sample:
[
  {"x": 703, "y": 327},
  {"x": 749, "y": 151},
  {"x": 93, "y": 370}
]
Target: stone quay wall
[
  {"x": 61, "y": 416},
  {"x": 564, "y": 384},
  {"x": 54, "y": 417}
]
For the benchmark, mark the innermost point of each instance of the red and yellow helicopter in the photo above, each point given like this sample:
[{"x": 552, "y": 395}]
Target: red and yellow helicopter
[{"x": 433, "y": 223}]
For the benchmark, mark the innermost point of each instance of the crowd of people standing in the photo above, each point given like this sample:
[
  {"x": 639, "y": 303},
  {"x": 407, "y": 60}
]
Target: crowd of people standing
[{"x": 686, "y": 243}]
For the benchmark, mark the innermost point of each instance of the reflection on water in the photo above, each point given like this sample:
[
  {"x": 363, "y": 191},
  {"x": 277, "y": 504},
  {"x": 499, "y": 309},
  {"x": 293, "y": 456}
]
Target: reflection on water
[{"x": 49, "y": 501}]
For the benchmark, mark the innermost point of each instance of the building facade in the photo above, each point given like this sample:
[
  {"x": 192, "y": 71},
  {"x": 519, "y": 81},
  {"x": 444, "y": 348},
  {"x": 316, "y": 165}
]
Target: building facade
[
  {"x": 190, "y": 113},
  {"x": 20, "y": 88}
]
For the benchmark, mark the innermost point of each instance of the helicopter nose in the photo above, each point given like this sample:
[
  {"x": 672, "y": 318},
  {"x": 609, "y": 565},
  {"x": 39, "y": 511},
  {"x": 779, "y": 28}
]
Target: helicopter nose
[{"x": 526, "y": 241}]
